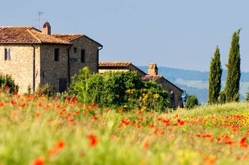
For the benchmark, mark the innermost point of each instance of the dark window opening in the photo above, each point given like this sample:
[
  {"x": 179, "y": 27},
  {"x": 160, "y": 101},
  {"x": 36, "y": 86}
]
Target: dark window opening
[
  {"x": 75, "y": 50},
  {"x": 7, "y": 54},
  {"x": 82, "y": 57},
  {"x": 56, "y": 54},
  {"x": 62, "y": 84}
]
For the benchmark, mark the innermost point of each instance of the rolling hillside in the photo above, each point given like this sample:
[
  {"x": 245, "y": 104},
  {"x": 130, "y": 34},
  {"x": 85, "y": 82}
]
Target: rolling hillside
[{"x": 196, "y": 82}]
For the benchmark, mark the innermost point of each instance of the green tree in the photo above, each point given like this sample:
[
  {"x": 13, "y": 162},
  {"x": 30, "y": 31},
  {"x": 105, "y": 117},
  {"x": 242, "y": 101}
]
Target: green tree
[
  {"x": 247, "y": 96},
  {"x": 233, "y": 70},
  {"x": 215, "y": 74},
  {"x": 192, "y": 102}
]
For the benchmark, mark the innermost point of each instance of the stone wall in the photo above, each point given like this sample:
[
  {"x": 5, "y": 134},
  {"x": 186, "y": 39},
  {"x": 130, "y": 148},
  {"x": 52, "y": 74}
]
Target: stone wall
[
  {"x": 20, "y": 67},
  {"x": 91, "y": 55},
  {"x": 169, "y": 86},
  {"x": 51, "y": 71}
]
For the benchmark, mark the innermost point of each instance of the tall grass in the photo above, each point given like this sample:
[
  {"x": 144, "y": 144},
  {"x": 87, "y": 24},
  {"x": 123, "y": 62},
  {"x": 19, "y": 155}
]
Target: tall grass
[{"x": 37, "y": 130}]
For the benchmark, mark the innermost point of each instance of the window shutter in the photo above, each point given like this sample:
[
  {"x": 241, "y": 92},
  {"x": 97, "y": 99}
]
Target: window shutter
[
  {"x": 9, "y": 54},
  {"x": 5, "y": 54}
]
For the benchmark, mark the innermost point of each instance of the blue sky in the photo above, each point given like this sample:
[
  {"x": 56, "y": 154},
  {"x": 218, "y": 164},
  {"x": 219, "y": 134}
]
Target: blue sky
[{"x": 173, "y": 33}]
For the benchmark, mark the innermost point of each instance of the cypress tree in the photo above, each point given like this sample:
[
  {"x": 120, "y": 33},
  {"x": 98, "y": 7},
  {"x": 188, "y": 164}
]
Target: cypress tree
[
  {"x": 214, "y": 78},
  {"x": 233, "y": 70}
]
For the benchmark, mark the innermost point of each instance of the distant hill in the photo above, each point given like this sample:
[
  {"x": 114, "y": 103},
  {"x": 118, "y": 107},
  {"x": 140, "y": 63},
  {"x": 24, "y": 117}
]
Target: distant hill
[
  {"x": 196, "y": 82},
  {"x": 174, "y": 73}
]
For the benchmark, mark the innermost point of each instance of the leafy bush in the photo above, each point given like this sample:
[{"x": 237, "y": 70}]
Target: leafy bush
[
  {"x": 192, "y": 101},
  {"x": 118, "y": 89},
  {"x": 46, "y": 90},
  {"x": 8, "y": 84}
]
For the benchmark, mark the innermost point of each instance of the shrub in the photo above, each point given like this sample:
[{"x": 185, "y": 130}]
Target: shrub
[
  {"x": 118, "y": 89},
  {"x": 192, "y": 101},
  {"x": 46, "y": 90},
  {"x": 8, "y": 84}
]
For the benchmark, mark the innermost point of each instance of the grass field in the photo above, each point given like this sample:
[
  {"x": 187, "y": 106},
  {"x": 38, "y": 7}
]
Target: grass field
[{"x": 38, "y": 131}]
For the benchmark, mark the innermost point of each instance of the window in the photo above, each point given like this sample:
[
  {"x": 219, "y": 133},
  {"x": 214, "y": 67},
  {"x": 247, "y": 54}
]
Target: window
[
  {"x": 75, "y": 50},
  {"x": 56, "y": 54},
  {"x": 82, "y": 57},
  {"x": 7, "y": 54}
]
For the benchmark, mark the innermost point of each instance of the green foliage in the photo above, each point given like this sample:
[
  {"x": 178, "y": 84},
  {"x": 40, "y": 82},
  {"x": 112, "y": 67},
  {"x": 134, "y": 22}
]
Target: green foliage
[
  {"x": 46, "y": 90},
  {"x": 214, "y": 78},
  {"x": 222, "y": 97},
  {"x": 80, "y": 85},
  {"x": 192, "y": 101},
  {"x": 247, "y": 96},
  {"x": 8, "y": 84},
  {"x": 150, "y": 98},
  {"x": 118, "y": 89},
  {"x": 233, "y": 70}
]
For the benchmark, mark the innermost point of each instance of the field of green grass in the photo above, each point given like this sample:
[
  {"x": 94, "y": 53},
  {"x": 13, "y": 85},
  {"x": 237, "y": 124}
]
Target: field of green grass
[{"x": 40, "y": 131}]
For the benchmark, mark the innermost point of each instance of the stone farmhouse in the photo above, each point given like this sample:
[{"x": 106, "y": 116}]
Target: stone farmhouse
[
  {"x": 36, "y": 57},
  {"x": 151, "y": 75}
]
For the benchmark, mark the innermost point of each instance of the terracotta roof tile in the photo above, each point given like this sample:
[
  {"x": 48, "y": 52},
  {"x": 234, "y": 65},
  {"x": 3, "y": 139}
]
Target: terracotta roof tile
[
  {"x": 67, "y": 37},
  {"x": 16, "y": 35},
  {"x": 44, "y": 38},
  {"x": 114, "y": 64}
]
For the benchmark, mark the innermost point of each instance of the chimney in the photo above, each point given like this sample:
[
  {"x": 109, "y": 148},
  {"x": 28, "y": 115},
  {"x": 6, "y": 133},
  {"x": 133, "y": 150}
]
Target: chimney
[
  {"x": 46, "y": 29},
  {"x": 152, "y": 70}
]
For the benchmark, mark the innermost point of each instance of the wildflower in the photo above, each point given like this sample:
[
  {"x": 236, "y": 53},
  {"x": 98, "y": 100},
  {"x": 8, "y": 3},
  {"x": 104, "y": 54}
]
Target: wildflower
[
  {"x": 22, "y": 105},
  {"x": 180, "y": 122},
  {"x": 146, "y": 144},
  {"x": 37, "y": 115},
  {"x": 139, "y": 126},
  {"x": 60, "y": 144},
  {"x": 92, "y": 140},
  {"x": 6, "y": 87},
  {"x": 12, "y": 102},
  {"x": 57, "y": 148},
  {"x": 40, "y": 104},
  {"x": 69, "y": 114},
  {"x": 38, "y": 161},
  {"x": 156, "y": 96},
  {"x": 95, "y": 118},
  {"x": 1, "y": 104},
  {"x": 210, "y": 159},
  {"x": 71, "y": 121},
  {"x": 243, "y": 142}
]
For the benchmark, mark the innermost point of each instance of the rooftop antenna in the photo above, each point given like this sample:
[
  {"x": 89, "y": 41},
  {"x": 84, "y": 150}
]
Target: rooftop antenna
[{"x": 39, "y": 18}]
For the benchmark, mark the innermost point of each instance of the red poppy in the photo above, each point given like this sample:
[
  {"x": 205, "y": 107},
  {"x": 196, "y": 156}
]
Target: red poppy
[
  {"x": 60, "y": 144},
  {"x": 146, "y": 144},
  {"x": 39, "y": 161},
  {"x": 243, "y": 142},
  {"x": 92, "y": 140},
  {"x": 6, "y": 87},
  {"x": 95, "y": 118}
]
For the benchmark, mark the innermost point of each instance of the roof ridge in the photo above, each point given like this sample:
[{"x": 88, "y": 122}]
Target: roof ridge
[
  {"x": 66, "y": 34},
  {"x": 34, "y": 36},
  {"x": 115, "y": 61},
  {"x": 15, "y": 26}
]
